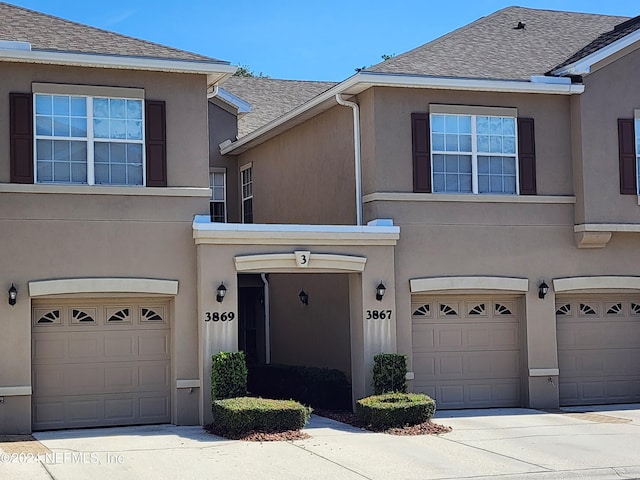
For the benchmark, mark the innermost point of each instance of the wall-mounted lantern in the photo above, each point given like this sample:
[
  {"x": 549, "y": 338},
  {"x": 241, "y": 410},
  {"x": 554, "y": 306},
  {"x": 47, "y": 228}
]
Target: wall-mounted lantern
[
  {"x": 221, "y": 292},
  {"x": 304, "y": 297},
  {"x": 380, "y": 291},
  {"x": 543, "y": 289},
  {"x": 13, "y": 295}
]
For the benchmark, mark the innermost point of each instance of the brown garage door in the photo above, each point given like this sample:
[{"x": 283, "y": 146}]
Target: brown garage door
[
  {"x": 598, "y": 349},
  {"x": 466, "y": 351},
  {"x": 98, "y": 363}
]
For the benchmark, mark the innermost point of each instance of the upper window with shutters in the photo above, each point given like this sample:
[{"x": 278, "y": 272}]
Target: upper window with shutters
[
  {"x": 473, "y": 150},
  {"x": 87, "y": 135},
  {"x": 629, "y": 154}
]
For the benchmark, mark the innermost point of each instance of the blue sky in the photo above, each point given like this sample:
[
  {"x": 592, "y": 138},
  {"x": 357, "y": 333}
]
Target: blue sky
[{"x": 298, "y": 39}]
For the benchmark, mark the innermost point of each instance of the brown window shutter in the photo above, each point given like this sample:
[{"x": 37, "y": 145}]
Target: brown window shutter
[
  {"x": 421, "y": 153},
  {"x": 627, "y": 152},
  {"x": 21, "y": 137},
  {"x": 156, "y": 143},
  {"x": 527, "y": 156}
]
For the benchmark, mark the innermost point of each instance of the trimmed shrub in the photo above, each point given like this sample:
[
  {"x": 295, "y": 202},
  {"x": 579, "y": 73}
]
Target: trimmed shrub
[
  {"x": 235, "y": 417},
  {"x": 389, "y": 410},
  {"x": 318, "y": 387},
  {"x": 228, "y": 375},
  {"x": 389, "y": 373}
]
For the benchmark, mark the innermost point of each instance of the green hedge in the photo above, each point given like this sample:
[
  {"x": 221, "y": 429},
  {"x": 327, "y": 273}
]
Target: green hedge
[
  {"x": 235, "y": 417},
  {"x": 319, "y": 387},
  {"x": 389, "y": 410},
  {"x": 389, "y": 373},
  {"x": 228, "y": 375}
]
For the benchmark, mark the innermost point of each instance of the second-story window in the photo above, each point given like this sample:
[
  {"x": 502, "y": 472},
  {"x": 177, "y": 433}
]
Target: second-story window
[
  {"x": 246, "y": 178},
  {"x": 89, "y": 140},
  {"x": 218, "y": 206},
  {"x": 474, "y": 154}
]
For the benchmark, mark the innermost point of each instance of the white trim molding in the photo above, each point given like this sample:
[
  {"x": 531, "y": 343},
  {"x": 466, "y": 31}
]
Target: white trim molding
[
  {"x": 317, "y": 262},
  {"x": 437, "y": 284},
  {"x": 15, "y": 391},
  {"x": 215, "y": 70},
  {"x": 451, "y": 197},
  {"x": 105, "y": 190},
  {"x": 544, "y": 372},
  {"x": 612, "y": 282},
  {"x": 583, "y": 65},
  {"x": 208, "y": 233},
  {"x": 597, "y": 235},
  {"x": 191, "y": 383},
  {"x": 66, "y": 286}
]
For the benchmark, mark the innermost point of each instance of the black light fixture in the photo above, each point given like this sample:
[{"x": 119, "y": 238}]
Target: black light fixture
[
  {"x": 304, "y": 297},
  {"x": 543, "y": 289},
  {"x": 13, "y": 295},
  {"x": 221, "y": 292},
  {"x": 380, "y": 290}
]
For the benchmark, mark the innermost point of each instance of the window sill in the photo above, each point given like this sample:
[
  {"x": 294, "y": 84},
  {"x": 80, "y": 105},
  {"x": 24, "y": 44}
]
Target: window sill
[
  {"x": 106, "y": 190},
  {"x": 447, "y": 197}
]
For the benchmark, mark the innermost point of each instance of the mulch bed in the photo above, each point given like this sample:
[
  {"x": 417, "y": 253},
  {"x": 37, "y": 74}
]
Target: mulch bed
[
  {"x": 287, "y": 436},
  {"x": 350, "y": 418},
  {"x": 426, "y": 428}
]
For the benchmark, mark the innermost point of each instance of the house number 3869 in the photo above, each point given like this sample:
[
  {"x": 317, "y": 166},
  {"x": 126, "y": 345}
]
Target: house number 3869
[
  {"x": 219, "y": 316},
  {"x": 378, "y": 314}
]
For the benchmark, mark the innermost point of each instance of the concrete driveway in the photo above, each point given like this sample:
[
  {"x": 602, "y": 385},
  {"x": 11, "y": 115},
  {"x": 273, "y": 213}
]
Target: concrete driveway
[{"x": 595, "y": 442}]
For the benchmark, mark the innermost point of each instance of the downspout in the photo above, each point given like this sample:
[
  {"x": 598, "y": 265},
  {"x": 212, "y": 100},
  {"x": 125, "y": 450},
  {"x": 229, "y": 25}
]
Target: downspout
[
  {"x": 214, "y": 93},
  {"x": 356, "y": 148},
  {"x": 267, "y": 325}
]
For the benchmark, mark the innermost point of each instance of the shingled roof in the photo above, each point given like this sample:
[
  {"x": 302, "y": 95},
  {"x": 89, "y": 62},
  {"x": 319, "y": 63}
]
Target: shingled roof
[
  {"x": 494, "y": 47},
  {"x": 270, "y": 98},
  {"x": 607, "y": 38},
  {"x": 49, "y": 33}
]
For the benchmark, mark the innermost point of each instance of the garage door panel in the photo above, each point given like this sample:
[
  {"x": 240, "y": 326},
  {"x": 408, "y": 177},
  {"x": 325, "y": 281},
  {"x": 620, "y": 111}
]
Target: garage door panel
[
  {"x": 101, "y": 365},
  {"x": 466, "y": 351},
  {"x": 154, "y": 344},
  {"x": 598, "y": 353},
  {"x": 46, "y": 349},
  {"x": 120, "y": 345}
]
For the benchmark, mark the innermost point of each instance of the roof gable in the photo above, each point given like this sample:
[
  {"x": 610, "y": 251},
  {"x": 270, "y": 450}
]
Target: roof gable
[
  {"x": 493, "y": 46},
  {"x": 48, "y": 33}
]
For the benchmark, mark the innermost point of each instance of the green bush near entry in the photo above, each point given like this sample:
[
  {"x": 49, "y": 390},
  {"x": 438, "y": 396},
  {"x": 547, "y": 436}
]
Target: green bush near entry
[
  {"x": 235, "y": 417},
  {"x": 228, "y": 375},
  {"x": 390, "y": 410},
  {"x": 389, "y": 373}
]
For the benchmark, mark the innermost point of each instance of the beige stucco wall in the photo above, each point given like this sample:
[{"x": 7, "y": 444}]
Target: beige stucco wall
[
  {"x": 187, "y": 147},
  {"x": 610, "y": 93},
  {"x": 325, "y": 320},
  {"x": 54, "y": 235},
  {"x": 306, "y": 175},
  {"x": 391, "y": 158}
]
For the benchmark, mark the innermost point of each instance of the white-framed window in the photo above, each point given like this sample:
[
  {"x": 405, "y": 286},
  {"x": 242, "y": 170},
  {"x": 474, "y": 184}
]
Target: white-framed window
[
  {"x": 85, "y": 139},
  {"x": 474, "y": 153},
  {"x": 217, "y": 203},
  {"x": 246, "y": 181}
]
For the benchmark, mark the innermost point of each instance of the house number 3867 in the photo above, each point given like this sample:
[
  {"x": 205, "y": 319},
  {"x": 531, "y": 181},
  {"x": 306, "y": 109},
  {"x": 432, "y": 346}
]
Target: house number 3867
[
  {"x": 219, "y": 316},
  {"x": 378, "y": 314}
]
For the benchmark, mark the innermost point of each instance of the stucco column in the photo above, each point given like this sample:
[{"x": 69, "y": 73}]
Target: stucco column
[
  {"x": 541, "y": 369},
  {"x": 217, "y": 321},
  {"x": 373, "y": 322}
]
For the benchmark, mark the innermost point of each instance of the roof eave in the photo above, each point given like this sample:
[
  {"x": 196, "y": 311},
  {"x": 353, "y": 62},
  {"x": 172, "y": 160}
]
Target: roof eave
[
  {"x": 215, "y": 71},
  {"x": 583, "y": 66},
  {"x": 364, "y": 80}
]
